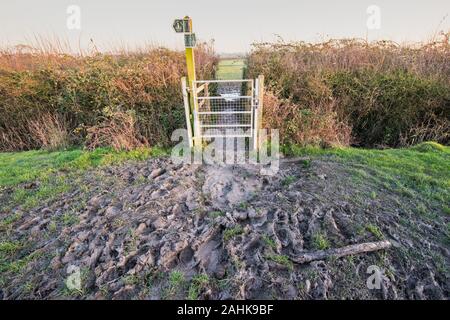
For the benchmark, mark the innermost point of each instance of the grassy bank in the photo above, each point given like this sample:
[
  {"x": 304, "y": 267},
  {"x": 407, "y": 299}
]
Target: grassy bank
[
  {"x": 34, "y": 176},
  {"x": 419, "y": 171}
]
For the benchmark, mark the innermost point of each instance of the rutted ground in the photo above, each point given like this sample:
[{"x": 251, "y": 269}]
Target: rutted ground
[{"x": 156, "y": 230}]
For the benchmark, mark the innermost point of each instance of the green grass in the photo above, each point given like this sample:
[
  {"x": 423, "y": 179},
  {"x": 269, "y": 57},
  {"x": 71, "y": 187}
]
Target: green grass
[
  {"x": 232, "y": 232},
  {"x": 176, "y": 278},
  {"x": 447, "y": 234},
  {"x": 7, "y": 222},
  {"x": 176, "y": 284},
  {"x": 215, "y": 214},
  {"x": 10, "y": 264},
  {"x": 320, "y": 241},
  {"x": 288, "y": 180},
  {"x": 243, "y": 205},
  {"x": 268, "y": 241},
  {"x": 131, "y": 279},
  {"x": 51, "y": 170},
  {"x": 8, "y": 247},
  {"x": 69, "y": 219},
  {"x": 19, "y": 167},
  {"x": 420, "y": 170},
  {"x": 152, "y": 277},
  {"x": 375, "y": 231},
  {"x": 198, "y": 282},
  {"x": 229, "y": 69},
  {"x": 281, "y": 259}
]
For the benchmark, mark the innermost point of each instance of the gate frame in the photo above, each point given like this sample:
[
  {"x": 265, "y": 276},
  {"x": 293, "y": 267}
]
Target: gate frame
[
  {"x": 204, "y": 84},
  {"x": 190, "y": 98}
]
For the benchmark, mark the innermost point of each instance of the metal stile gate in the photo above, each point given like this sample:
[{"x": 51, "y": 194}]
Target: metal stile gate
[
  {"x": 219, "y": 108},
  {"x": 224, "y": 109}
]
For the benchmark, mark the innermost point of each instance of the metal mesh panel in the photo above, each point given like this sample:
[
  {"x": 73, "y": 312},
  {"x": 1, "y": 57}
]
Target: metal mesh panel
[
  {"x": 225, "y": 132},
  {"x": 228, "y": 113}
]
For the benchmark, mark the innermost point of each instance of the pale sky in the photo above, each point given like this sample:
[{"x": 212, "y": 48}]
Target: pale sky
[{"x": 234, "y": 24}]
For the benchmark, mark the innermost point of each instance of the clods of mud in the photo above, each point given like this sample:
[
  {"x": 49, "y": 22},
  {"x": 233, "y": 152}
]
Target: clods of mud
[
  {"x": 228, "y": 186},
  {"x": 156, "y": 230}
]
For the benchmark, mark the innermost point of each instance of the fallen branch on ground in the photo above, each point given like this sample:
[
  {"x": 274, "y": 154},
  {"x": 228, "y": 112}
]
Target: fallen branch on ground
[{"x": 340, "y": 252}]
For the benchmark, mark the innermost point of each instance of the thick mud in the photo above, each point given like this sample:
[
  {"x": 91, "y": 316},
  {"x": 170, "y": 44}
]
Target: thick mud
[{"x": 152, "y": 230}]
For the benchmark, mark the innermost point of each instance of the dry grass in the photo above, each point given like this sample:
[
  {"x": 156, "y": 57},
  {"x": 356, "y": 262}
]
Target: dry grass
[
  {"x": 118, "y": 131},
  {"x": 317, "y": 126},
  {"x": 50, "y": 131}
]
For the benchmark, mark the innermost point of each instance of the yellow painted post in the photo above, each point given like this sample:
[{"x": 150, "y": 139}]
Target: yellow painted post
[
  {"x": 185, "y": 26},
  {"x": 190, "y": 64},
  {"x": 190, "y": 58}
]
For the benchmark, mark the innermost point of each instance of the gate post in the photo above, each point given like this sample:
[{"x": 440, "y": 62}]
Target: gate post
[
  {"x": 190, "y": 64},
  {"x": 255, "y": 115},
  {"x": 187, "y": 111},
  {"x": 185, "y": 26},
  {"x": 259, "y": 116}
]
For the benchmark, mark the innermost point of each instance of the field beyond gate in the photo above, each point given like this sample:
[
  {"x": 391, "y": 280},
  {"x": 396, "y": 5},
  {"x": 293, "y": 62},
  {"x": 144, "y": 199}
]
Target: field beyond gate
[{"x": 229, "y": 69}]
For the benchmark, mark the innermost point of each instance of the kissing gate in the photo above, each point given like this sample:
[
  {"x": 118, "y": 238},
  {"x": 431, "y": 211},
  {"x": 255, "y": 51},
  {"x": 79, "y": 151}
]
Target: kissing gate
[
  {"x": 219, "y": 108},
  {"x": 224, "y": 109}
]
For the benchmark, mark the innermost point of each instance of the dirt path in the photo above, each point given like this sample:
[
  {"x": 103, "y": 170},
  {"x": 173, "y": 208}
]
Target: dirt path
[{"x": 155, "y": 230}]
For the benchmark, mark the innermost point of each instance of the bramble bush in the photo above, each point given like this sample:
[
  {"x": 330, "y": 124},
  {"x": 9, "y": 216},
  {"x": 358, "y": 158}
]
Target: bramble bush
[
  {"x": 53, "y": 100},
  {"x": 353, "y": 92}
]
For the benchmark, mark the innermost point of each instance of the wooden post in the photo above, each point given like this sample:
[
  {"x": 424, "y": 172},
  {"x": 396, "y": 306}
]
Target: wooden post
[
  {"x": 190, "y": 63},
  {"x": 207, "y": 101},
  {"x": 255, "y": 116},
  {"x": 197, "y": 139},
  {"x": 260, "y": 107},
  {"x": 189, "y": 90},
  {"x": 187, "y": 110},
  {"x": 190, "y": 58}
]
